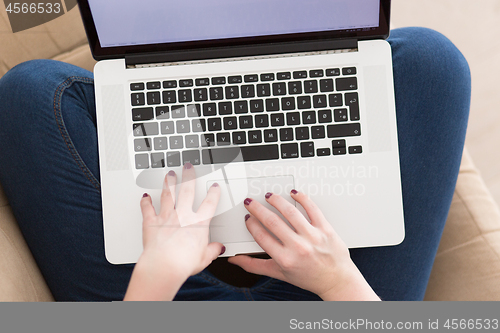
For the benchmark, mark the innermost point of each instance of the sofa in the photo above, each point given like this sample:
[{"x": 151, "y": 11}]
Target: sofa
[{"x": 467, "y": 266}]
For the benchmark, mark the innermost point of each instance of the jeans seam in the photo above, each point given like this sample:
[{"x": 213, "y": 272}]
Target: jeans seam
[{"x": 64, "y": 133}]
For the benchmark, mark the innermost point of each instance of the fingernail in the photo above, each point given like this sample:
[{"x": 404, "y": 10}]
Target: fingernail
[
  {"x": 268, "y": 195},
  {"x": 223, "y": 250},
  {"x": 247, "y": 217},
  {"x": 171, "y": 173},
  {"x": 188, "y": 165},
  {"x": 294, "y": 192},
  {"x": 247, "y": 201},
  {"x": 145, "y": 195},
  {"x": 215, "y": 185}
]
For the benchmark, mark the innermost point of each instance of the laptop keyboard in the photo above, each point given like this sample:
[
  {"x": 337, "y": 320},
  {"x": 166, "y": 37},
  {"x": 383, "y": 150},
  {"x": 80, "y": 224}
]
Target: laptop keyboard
[{"x": 264, "y": 116}]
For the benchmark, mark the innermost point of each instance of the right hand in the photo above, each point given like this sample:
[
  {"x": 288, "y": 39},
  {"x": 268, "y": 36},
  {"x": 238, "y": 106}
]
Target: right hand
[{"x": 312, "y": 257}]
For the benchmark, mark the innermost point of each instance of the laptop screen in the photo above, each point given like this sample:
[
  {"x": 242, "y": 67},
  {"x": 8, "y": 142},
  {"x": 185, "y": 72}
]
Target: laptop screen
[
  {"x": 140, "y": 22},
  {"x": 117, "y": 28}
]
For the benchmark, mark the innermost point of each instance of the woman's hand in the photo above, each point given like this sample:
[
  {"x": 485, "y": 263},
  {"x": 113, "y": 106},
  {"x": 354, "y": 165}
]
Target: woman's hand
[
  {"x": 310, "y": 256},
  {"x": 175, "y": 240}
]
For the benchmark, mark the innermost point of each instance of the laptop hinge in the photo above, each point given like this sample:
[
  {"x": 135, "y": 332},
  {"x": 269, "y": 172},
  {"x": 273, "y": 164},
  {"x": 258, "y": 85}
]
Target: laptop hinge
[{"x": 133, "y": 61}]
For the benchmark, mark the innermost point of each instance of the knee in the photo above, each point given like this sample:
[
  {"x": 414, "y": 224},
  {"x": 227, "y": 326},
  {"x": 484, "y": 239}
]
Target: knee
[{"x": 428, "y": 54}]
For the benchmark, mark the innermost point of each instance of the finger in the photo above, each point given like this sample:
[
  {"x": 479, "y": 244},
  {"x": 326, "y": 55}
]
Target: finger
[
  {"x": 168, "y": 194},
  {"x": 267, "y": 267},
  {"x": 262, "y": 237},
  {"x": 147, "y": 209},
  {"x": 290, "y": 212},
  {"x": 213, "y": 251},
  {"x": 207, "y": 208},
  {"x": 315, "y": 215},
  {"x": 271, "y": 221},
  {"x": 186, "y": 193}
]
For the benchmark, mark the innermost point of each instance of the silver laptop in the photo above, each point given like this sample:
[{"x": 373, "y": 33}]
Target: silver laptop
[{"x": 260, "y": 96}]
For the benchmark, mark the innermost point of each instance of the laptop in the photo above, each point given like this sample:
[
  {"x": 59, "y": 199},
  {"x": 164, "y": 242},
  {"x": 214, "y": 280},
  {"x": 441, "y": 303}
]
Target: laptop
[{"x": 260, "y": 96}]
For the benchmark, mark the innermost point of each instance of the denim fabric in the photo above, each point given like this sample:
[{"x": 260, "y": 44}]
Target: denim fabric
[{"x": 50, "y": 172}]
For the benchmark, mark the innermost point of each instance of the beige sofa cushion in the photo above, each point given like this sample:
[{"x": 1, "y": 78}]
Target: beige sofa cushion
[
  {"x": 467, "y": 266},
  {"x": 20, "y": 278}
]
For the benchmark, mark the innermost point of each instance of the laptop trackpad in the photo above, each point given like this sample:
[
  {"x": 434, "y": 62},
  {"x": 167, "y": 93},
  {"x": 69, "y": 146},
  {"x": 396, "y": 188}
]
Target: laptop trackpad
[{"x": 228, "y": 226}]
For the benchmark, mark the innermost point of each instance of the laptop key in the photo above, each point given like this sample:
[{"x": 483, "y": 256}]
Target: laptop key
[
  {"x": 311, "y": 86},
  {"x": 251, "y": 78},
  {"x": 340, "y": 115},
  {"x": 247, "y": 91},
  {"x": 218, "y": 80},
  {"x": 225, "y": 108},
  {"x": 138, "y": 99},
  {"x": 264, "y": 90},
  {"x": 304, "y": 102},
  {"x": 216, "y": 94},
  {"x": 183, "y": 126},
  {"x": 141, "y": 114},
  {"x": 176, "y": 142},
  {"x": 193, "y": 110},
  {"x": 145, "y": 129},
  {"x": 201, "y": 95},
  {"x": 323, "y": 152},
  {"x": 286, "y": 134},
  {"x": 169, "y": 97},
  {"x": 223, "y": 139},
  {"x": 335, "y": 100},
  {"x": 240, "y": 107},
  {"x": 333, "y": 72},
  {"x": 232, "y": 92},
  {"x": 289, "y": 150},
  {"x": 198, "y": 125},
  {"x": 318, "y": 132},
  {"x": 351, "y": 100},
  {"x": 288, "y": 103},
  {"x": 157, "y": 160},
  {"x": 154, "y": 98},
  {"x": 169, "y": 84},
  {"x": 307, "y": 149},
  {"x": 295, "y": 87},
  {"x": 186, "y": 83},
  {"x": 319, "y": 101},
  {"x": 279, "y": 88},
  {"x": 316, "y": 73},
  {"x": 246, "y": 122},
  {"x": 214, "y": 124},
  {"x": 142, "y": 144},
  {"x": 185, "y": 96},
  {"x": 239, "y": 138},
  {"x": 272, "y": 104},
  {"x": 262, "y": 120},
  {"x": 162, "y": 112},
  {"x": 173, "y": 159},
  {"x": 338, "y": 143},
  {"x": 254, "y": 137},
  {"x": 142, "y": 161},
  {"x": 325, "y": 116},
  {"x": 202, "y": 82},
  {"x": 235, "y": 79},
  {"x": 207, "y": 140},
  {"x": 160, "y": 143},
  {"x": 300, "y": 74},
  {"x": 277, "y": 119},
  {"x": 256, "y": 105},
  {"x": 192, "y": 141},
  {"x": 284, "y": 76},
  {"x": 167, "y": 127},
  {"x": 326, "y": 85},
  {"x": 178, "y": 111},
  {"x": 248, "y": 153},
  {"x": 191, "y": 156},
  {"x": 267, "y": 77},
  {"x": 137, "y": 86},
  {"x": 209, "y": 109},
  {"x": 230, "y": 123},
  {"x": 154, "y": 85},
  {"x": 350, "y": 83},
  {"x": 349, "y": 71},
  {"x": 293, "y": 118},
  {"x": 339, "y": 151},
  {"x": 336, "y": 131},
  {"x": 309, "y": 117},
  {"x": 302, "y": 133},
  {"x": 355, "y": 150},
  {"x": 271, "y": 135}
]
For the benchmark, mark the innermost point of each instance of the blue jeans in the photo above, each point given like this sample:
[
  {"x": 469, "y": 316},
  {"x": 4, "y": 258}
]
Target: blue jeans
[{"x": 50, "y": 172}]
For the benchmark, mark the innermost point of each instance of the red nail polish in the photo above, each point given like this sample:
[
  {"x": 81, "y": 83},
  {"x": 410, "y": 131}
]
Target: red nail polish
[
  {"x": 223, "y": 250},
  {"x": 145, "y": 195},
  {"x": 268, "y": 195},
  {"x": 294, "y": 192},
  {"x": 215, "y": 185},
  {"x": 247, "y": 201},
  {"x": 188, "y": 165},
  {"x": 247, "y": 217},
  {"x": 171, "y": 173}
]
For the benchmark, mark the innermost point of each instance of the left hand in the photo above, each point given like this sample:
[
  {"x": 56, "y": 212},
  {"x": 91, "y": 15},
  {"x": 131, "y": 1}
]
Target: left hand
[{"x": 173, "y": 252}]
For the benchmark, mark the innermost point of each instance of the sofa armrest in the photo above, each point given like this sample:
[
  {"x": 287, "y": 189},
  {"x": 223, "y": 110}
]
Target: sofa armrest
[{"x": 467, "y": 265}]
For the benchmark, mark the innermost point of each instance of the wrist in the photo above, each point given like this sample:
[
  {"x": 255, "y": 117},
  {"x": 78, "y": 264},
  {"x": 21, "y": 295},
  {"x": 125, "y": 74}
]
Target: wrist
[
  {"x": 151, "y": 282},
  {"x": 353, "y": 288}
]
